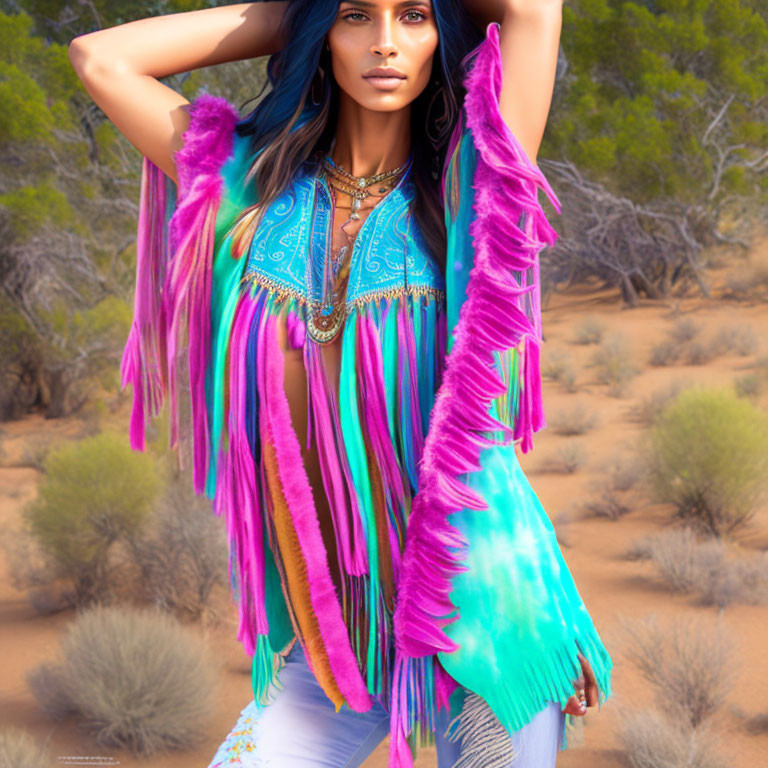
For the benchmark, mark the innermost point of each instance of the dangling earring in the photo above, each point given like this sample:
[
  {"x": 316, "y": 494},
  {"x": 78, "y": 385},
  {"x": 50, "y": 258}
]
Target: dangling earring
[
  {"x": 442, "y": 122},
  {"x": 316, "y": 91},
  {"x": 318, "y": 88}
]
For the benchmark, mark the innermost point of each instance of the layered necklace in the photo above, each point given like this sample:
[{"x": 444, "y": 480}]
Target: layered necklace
[{"x": 326, "y": 317}]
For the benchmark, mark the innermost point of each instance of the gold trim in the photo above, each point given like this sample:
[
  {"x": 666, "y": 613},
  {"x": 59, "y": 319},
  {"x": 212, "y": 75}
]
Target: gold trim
[{"x": 283, "y": 291}]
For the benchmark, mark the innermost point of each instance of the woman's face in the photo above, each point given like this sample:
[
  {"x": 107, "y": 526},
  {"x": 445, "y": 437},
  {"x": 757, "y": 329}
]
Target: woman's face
[{"x": 383, "y": 33}]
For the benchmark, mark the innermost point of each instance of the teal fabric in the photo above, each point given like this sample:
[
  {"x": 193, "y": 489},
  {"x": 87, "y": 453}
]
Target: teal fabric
[{"x": 517, "y": 600}]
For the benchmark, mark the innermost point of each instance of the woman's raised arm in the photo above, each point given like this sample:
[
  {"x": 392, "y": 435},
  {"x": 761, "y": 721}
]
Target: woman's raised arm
[{"x": 120, "y": 67}]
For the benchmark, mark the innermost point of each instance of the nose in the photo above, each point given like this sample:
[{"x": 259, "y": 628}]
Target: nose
[{"x": 385, "y": 45}]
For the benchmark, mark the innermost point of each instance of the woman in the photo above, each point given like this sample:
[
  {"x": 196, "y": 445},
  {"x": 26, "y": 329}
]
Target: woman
[{"x": 348, "y": 279}]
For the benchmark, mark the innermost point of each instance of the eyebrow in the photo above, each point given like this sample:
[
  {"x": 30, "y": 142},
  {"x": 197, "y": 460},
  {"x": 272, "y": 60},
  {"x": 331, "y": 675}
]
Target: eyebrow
[{"x": 373, "y": 5}]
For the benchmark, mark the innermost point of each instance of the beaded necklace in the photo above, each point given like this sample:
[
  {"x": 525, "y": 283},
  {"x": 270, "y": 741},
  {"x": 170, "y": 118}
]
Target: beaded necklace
[{"x": 325, "y": 320}]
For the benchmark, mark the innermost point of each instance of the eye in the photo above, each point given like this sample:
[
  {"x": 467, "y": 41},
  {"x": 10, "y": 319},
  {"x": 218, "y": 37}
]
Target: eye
[{"x": 420, "y": 15}]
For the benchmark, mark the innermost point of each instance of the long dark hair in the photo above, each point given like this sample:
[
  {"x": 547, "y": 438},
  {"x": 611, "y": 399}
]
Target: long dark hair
[{"x": 303, "y": 86}]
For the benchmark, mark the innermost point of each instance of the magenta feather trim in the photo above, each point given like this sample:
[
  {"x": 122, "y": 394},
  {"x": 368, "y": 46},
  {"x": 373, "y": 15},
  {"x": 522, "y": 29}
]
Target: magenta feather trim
[
  {"x": 498, "y": 314},
  {"x": 173, "y": 282},
  {"x": 298, "y": 495},
  {"x": 508, "y": 231}
]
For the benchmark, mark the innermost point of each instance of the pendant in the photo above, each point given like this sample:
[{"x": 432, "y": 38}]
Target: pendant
[{"x": 323, "y": 324}]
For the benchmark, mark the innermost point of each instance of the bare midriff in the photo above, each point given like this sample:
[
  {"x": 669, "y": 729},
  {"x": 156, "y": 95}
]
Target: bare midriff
[{"x": 296, "y": 392}]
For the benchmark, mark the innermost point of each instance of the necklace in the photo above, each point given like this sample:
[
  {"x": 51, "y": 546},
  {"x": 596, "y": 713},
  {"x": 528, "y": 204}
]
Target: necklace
[
  {"x": 357, "y": 186},
  {"x": 326, "y": 317}
]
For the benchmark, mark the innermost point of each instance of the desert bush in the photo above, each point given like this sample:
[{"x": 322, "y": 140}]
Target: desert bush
[
  {"x": 684, "y": 330},
  {"x": 93, "y": 492},
  {"x": 648, "y": 410},
  {"x": 652, "y": 740},
  {"x": 614, "y": 364},
  {"x": 689, "y": 663},
  {"x": 557, "y": 366},
  {"x": 687, "y": 563},
  {"x": 133, "y": 679},
  {"x": 735, "y": 580},
  {"x": 639, "y": 549},
  {"x": 699, "y": 353},
  {"x": 589, "y": 331},
  {"x": 707, "y": 455},
  {"x": 665, "y": 353},
  {"x": 574, "y": 421},
  {"x": 750, "y": 385},
  {"x": 680, "y": 559},
  {"x": 19, "y": 750},
  {"x": 567, "y": 459},
  {"x": 34, "y": 452},
  {"x": 739, "y": 339},
  {"x": 608, "y": 505},
  {"x": 621, "y": 475},
  {"x": 182, "y": 555}
]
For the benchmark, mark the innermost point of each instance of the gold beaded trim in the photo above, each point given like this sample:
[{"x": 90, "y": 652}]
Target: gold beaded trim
[
  {"x": 280, "y": 290},
  {"x": 393, "y": 293},
  {"x": 283, "y": 291}
]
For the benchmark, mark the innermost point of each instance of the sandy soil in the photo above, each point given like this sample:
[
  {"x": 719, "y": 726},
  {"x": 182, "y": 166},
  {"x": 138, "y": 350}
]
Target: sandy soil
[{"x": 611, "y": 586}]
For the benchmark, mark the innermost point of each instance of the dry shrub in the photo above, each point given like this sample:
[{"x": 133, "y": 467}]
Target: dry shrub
[
  {"x": 590, "y": 331},
  {"x": 689, "y": 663},
  {"x": 566, "y": 460},
  {"x": 575, "y": 421},
  {"x": 19, "y": 750},
  {"x": 707, "y": 456},
  {"x": 650, "y": 408},
  {"x": 614, "y": 363},
  {"x": 134, "y": 679},
  {"x": 687, "y": 563},
  {"x": 684, "y": 330},
  {"x": 182, "y": 556},
  {"x": 557, "y": 366},
  {"x": 665, "y": 353},
  {"x": 652, "y": 740},
  {"x": 737, "y": 339},
  {"x": 736, "y": 580},
  {"x": 622, "y": 475}
]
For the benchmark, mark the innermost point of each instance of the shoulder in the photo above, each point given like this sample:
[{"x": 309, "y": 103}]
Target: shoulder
[{"x": 208, "y": 142}]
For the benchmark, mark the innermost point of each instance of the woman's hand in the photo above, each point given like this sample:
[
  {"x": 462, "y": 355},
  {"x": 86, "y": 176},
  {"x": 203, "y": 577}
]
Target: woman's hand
[{"x": 577, "y": 705}]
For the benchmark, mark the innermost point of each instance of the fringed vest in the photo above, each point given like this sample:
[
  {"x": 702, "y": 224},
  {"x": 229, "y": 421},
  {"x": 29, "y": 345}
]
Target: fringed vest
[{"x": 451, "y": 572}]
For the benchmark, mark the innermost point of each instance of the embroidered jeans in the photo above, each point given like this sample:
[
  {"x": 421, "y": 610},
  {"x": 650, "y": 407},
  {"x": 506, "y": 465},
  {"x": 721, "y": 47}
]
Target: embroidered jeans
[{"x": 300, "y": 728}]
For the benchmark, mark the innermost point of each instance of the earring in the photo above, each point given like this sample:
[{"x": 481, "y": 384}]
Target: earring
[
  {"x": 442, "y": 122},
  {"x": 317, "y": 88}
]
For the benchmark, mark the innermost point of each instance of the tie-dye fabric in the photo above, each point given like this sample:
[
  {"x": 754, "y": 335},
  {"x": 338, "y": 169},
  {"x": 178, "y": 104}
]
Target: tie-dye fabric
[{"x": 450, "y": 570}]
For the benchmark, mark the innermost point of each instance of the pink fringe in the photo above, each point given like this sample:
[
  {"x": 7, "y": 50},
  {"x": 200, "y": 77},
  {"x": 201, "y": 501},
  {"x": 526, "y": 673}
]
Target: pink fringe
[
  {"x": 298, "y": 494},
  {"x": 497, "y": 314},
  {"x": 238, "y": 492},
  {"x": 173, "y": 281}
]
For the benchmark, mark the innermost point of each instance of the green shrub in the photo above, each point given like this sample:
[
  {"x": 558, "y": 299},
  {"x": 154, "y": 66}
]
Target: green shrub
[
  {"x": 134, "y": 679},
  {"x": 708, "y": 456},
  {"x": 93, "y": 492}
]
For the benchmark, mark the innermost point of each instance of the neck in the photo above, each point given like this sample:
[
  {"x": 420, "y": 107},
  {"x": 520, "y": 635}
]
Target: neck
[{"x": 369, "y": 142}]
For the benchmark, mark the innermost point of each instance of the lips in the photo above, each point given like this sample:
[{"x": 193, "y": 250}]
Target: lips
[{"x": 385, "y": 73}]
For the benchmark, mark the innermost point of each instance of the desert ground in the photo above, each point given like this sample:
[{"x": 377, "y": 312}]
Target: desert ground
[{"x": 594, "y": 546}]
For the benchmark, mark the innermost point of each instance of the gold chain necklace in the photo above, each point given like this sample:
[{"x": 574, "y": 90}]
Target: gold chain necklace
[
  {"x": 326, "y": 318},
  {"x": 357, "y": 186}
]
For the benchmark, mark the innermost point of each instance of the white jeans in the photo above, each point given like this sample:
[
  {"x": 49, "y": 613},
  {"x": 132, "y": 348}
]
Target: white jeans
[{"x": 300, "y": 728}]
